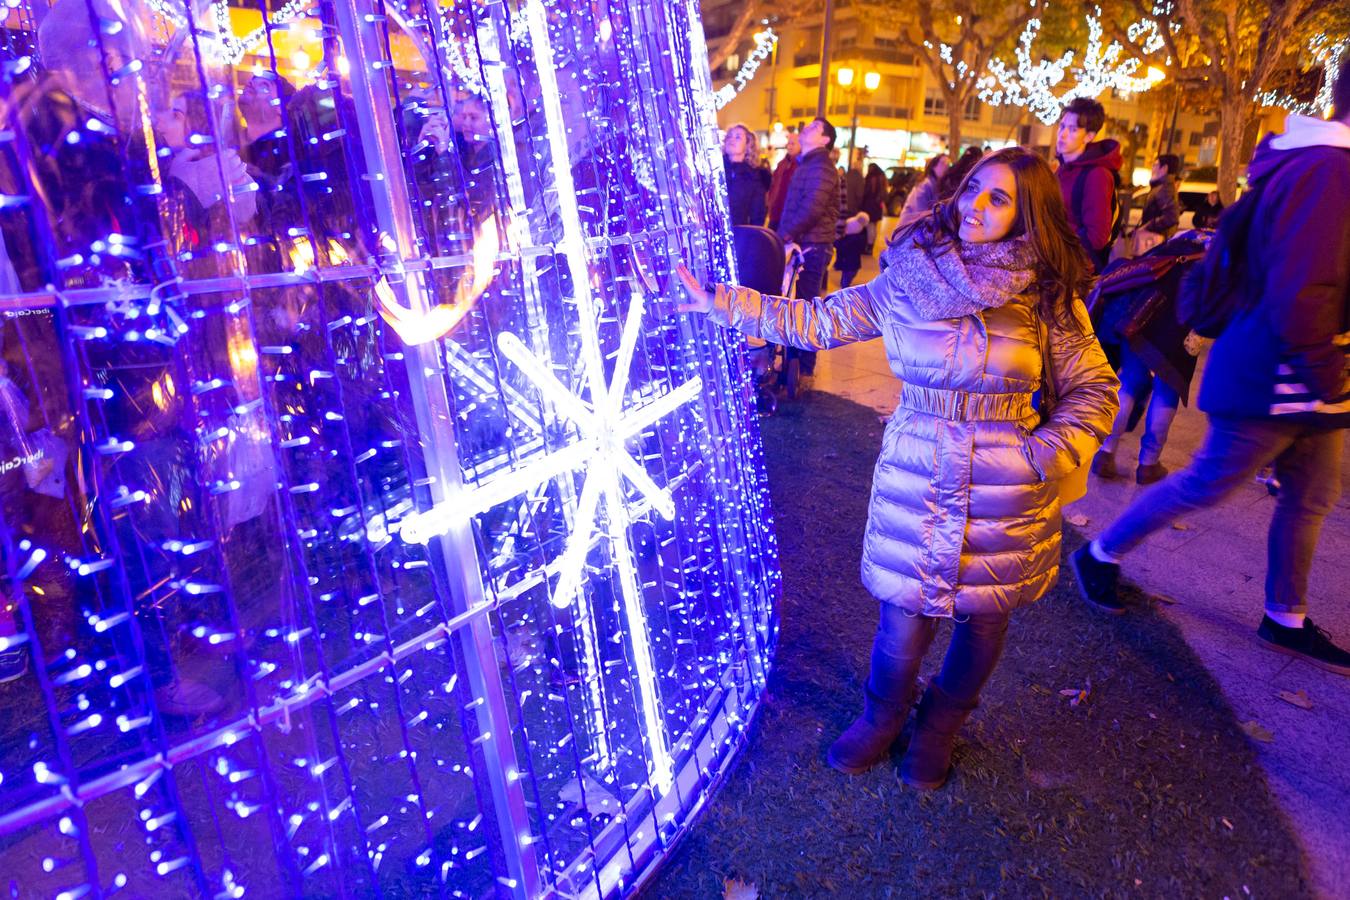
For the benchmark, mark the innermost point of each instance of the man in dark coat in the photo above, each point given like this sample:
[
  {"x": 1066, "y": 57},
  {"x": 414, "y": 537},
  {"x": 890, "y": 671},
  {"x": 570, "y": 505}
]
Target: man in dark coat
[
  {"x": 1088, "y": 173},
  {"x": 1277, "y": 387},
  {"x": 811, "y": 214}
]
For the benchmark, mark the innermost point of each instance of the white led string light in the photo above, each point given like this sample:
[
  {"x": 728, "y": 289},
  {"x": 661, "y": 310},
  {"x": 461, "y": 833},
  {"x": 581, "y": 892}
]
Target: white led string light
[
  {"x": 1103, "y": 67},
  {"x": 765, "y": 41},
  {"x": 1328, "y": 55}
]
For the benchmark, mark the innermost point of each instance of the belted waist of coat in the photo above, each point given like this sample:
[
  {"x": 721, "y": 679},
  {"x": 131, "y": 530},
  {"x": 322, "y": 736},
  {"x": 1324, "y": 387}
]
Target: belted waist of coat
[{"x": 965, "y": 406}]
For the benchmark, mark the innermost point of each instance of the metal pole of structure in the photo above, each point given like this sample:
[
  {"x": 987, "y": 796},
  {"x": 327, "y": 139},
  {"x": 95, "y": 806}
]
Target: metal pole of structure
[
  {"x": 1172, "y": 129},
  {"x": 826, "y": 40},
  {"x": 773, "y": 86},
  {"x": 909, "y": 145},
  {"x": 853, "y": 129}
]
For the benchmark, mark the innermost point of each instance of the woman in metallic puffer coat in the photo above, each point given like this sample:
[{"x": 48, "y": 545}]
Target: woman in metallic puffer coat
[{"x": 964, "y": 521}]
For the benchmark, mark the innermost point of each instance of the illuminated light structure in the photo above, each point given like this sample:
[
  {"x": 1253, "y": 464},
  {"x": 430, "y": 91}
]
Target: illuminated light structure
[{"x": 374, "y": 527}]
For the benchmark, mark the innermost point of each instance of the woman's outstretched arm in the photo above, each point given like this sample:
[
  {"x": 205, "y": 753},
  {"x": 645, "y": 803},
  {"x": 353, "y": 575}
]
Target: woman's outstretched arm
[{"x": 843, "y": 317}]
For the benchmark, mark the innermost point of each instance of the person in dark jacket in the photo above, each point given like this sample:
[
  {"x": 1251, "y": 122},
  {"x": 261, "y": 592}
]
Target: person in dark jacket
[
  {"x": 1162, "y": 209},
  {"x": 747, "y": 181},
  {"x": 1088, "y": 171},
  {"x": 1157, "y": 353},
  {"x": 874, "y": 200},
  {"x": 1276, "y": 388},
  {"x": 859, "y": 235},
  {"x": 782, "y": 176},
  {"x": 1207, "y": 213},
  {"x": 811, "y": 216}
]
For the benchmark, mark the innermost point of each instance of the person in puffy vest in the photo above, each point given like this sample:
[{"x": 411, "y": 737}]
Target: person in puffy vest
[
  {"x": 1276, "y": 387},
  {"x": 964, "y": 521}
]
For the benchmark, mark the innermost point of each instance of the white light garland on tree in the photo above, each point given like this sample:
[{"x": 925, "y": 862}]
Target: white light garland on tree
[
  {"x": 1103, "y": 67},
  {"x": 765, "y": 41},
  {"x": 1328, "y": 55}
]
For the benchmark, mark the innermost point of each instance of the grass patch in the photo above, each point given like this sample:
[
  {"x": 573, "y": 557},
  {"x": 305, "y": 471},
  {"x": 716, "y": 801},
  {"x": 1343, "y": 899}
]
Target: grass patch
[{"x": 1146, "y": 786}]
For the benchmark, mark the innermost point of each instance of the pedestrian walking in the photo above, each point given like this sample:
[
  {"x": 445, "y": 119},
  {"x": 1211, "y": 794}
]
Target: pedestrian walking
[
  {"x": 978, "y": 310},
  {"x": 1275, "y": 387},
  {"x": 1089, "y": 175},
  {"x": 1135, "y": 304},
  {"x": 1162, "y": 209},
  {"x": 860, "y": 228}
]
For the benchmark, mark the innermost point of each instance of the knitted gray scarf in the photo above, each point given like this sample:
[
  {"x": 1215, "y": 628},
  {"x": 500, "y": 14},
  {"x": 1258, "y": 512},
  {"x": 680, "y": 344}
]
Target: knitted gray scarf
[{"x": 963, "y": 278}]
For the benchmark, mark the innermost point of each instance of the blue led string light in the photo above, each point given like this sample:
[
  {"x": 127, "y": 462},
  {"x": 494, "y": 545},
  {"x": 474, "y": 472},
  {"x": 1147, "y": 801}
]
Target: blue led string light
[{"x": 338, "y": 368}]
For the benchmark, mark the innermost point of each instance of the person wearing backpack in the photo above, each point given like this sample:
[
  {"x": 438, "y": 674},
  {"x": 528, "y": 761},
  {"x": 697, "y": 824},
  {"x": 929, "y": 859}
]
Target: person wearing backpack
[
  {"x": 1276, "y": 388},
  {"x": 1089, "y": 177}
]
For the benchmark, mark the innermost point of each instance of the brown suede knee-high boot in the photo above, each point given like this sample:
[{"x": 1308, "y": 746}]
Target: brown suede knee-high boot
[
  {"x": 928, "y": 760},
  {"x": 868, "y": 740}
]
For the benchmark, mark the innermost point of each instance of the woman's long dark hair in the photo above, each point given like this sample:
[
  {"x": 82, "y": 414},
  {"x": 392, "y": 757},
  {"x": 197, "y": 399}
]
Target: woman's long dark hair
[
  {"x": 956, "y": 173},
  {"x": 1063, "y": 270}
]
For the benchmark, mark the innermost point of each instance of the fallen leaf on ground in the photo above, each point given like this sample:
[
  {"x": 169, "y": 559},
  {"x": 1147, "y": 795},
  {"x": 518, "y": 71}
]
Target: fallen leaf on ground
[
  {"x": 735, "y": 889},
  {"x": 1296, "y": 698},
  {"x": 1077, "y": 519},
  {"x": 1181, "y": 526},
  {"x": 1079, "y": 695},
  {"x": 1258, "y": 732}
]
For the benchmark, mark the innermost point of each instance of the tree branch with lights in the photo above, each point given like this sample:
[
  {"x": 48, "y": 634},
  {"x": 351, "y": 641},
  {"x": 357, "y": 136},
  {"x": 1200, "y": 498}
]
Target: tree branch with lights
[
  {"x": 1036, "y": 83},
  {"x": 1233, "y": 47},
  {"x": 956, "y": 39}
]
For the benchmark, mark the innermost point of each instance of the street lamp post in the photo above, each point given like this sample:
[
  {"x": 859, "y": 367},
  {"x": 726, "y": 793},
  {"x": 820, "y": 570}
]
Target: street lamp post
[
  {"x": 870, "y": 81},
  {"x": 826, "y": 46}
]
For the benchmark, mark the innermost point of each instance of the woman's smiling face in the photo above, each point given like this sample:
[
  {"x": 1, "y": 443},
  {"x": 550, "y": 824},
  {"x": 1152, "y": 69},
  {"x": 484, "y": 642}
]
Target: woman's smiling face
[{"x": 988, "y": 204}]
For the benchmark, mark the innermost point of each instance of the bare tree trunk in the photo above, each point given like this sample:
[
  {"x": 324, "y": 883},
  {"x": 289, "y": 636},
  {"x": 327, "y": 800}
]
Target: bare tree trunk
[
  {"x": 954, "y": 112},
  {"x": 1235, "y": 116}
]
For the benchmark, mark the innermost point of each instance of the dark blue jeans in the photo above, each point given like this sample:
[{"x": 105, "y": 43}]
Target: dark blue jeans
[
  {"x": 1135, "y": 378},
  {"x": 815, "y": 263},
  {"x": 1307, "y": 462}
]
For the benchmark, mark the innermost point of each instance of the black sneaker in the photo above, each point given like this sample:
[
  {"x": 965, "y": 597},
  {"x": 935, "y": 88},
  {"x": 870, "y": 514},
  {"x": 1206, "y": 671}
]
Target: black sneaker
[
  {"x": 1309, "y": 642},
  {"x": 1097, "y": 580}
]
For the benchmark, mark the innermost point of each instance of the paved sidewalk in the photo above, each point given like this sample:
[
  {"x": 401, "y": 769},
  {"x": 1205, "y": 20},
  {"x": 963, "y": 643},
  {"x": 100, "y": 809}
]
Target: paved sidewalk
[{"x": 1209, "y": 573}]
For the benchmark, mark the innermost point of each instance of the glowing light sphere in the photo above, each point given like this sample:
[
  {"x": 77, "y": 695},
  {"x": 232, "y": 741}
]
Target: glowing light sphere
[{"x": 369, "y": 524}]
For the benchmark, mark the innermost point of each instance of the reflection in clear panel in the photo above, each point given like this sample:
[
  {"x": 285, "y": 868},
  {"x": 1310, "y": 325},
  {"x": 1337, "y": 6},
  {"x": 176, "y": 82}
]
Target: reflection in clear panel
[{"x": 369, "y": 525}]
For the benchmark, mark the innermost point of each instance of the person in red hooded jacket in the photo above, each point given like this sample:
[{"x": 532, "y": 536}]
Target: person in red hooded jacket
[{"x": 1088, "y": 176}]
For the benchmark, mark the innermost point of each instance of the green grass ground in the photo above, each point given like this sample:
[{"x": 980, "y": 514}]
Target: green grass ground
[{"x": 1146, "y": 787}]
